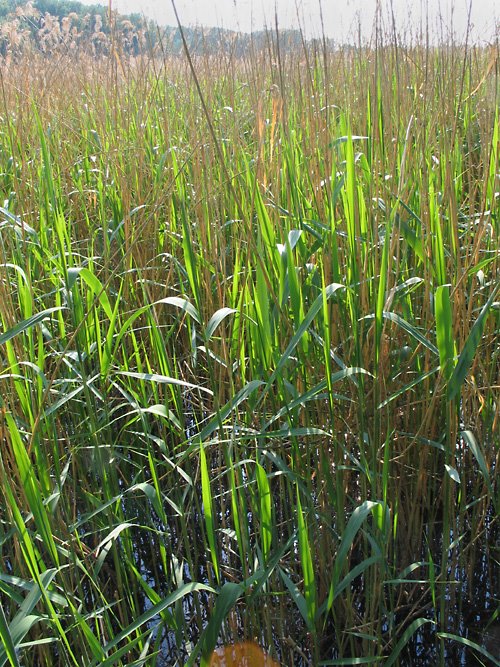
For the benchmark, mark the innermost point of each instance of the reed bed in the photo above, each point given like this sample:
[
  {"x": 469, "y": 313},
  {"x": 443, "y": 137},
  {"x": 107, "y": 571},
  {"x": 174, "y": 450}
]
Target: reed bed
[{"x": 250, "y": 356}]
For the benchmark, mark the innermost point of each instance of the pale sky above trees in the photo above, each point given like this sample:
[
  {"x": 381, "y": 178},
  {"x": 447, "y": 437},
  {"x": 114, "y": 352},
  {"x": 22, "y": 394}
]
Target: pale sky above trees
[{"x": 340, "y": 17}]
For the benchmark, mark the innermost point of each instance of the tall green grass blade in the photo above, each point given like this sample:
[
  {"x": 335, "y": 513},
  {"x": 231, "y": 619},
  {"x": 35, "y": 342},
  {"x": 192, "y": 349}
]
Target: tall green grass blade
[
  {"x": 208, "y": 511},
  {"x": 311, "y": 314},
  {"x": 409, "y": 328},
  {"x": 382, "y": 288},
  {"x": 297, "y": 597},
  {"x": 473, "y": 445},
  {"x": 356, "y": 520},
  {"x": 265, "y": 507},
  {"x": 150, "y": 614},
  {"x": 226, "y": 599},
  {"x": 405, "y": 638},
  {"x": 29, "y": 323},
  {"x": 169, "y": 345},
  {"x": 116, "y": 657},
  {"x": 452, "y": 473},
  {"x": 356, "y": 571},
  {"x": 32, "y": 490},
  {"x": 492, "y": 177},
  {"x": 444, "y": 330},
  {"x": 224, "y": 412},
  {"x": 19, "y": 223},
  {"x": 407, "y": 387},
  {"x": 164, "y": 379},
  {"x": 351, "y": 661},
  {"x": 24, "y": 620},
  {"x": 183, "y": 304},
  {"x": 94, "y": 284},
  {"x": 468, "y": 352},
  {"x": 495, "y": 660},
  {"x": 216, "y": 319},
  {"x": 8, "y": 651},
  {"x": 306, "y": 561}
]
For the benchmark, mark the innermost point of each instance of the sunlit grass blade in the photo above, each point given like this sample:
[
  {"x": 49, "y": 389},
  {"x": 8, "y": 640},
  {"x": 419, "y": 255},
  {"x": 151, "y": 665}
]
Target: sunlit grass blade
[
  {"x": 469, "y": 350},
  {"x": 306, "y": 560},
  {"x": 265, "y": 507},
  {"x": 164, "y": 379},
  {"x": 8, "y": 651},
  {"x": 24, "y": 620},
  {"x": 216, "y": 319},
  {"x": 25, "y": 325},
  {"x": 32, "y": 490},
  {"x": 444, "y": 330},
  {"x": 208, "y": 511}
]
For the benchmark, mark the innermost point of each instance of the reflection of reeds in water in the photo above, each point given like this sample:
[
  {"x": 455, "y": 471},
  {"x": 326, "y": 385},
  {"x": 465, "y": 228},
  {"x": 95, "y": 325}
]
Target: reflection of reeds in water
[
  {"x": 491, "y": 640},
  {"x": 243, "y": 654}
]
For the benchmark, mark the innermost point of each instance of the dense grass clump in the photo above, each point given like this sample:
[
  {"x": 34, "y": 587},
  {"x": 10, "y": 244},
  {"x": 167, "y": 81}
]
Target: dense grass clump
[{"x": 250, "y": 356}]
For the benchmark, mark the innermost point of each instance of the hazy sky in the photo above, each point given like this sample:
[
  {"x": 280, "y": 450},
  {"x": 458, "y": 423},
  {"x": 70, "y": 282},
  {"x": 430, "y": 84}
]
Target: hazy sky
[{"x": 339, "y": 16}]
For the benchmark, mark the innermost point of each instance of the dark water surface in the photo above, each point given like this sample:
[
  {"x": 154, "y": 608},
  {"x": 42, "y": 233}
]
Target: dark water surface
[{"x": 472, "y": 595}]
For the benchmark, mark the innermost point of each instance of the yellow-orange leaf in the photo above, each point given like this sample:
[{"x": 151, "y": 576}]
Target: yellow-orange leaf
[{"x": 243, "y": 654}]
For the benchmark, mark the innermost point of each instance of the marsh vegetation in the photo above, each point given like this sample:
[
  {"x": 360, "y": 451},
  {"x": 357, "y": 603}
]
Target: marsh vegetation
[{"x": 250, "y": 355}]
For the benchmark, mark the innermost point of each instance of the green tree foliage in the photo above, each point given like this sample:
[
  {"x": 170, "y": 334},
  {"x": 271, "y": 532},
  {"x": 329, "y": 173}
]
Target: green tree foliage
[{"x": 62, "y": 8}]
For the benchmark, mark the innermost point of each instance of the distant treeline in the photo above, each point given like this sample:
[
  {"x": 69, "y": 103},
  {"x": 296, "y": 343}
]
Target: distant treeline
[{"x": 50, "y": 26}]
